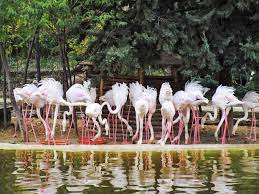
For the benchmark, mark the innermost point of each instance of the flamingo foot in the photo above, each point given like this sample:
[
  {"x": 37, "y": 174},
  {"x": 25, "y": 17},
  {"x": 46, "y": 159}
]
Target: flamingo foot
[
  {"x": 139, "y": 142},
  {"x": 216, "y": 137},
  {"x": 130, "y": 130},
  {"x": 187, "y": 139},
  {"x": 135, "y": 137}
]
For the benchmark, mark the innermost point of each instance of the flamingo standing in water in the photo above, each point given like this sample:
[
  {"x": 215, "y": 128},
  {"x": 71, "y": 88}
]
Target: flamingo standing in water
[
  {"x": 144, "y": 101},
  {"x": 250, "y": 102},
  {"x": 167, "y": 111},
  {"x": 223, "y": 99},
  {"x": 119, "y": 96}
]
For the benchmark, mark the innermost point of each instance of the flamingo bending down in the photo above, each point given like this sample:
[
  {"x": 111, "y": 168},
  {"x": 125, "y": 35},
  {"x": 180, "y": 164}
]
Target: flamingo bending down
[
  {"x": 250, "y": 102},
  {"x": 52, "y": 91},
  {"x": 78, "y": 93},
  {"x": 144, "y": 101},
  {"x": 94, "y": 111},
  {"x": 167, "y": 111},
  {"x": 223, "y": 99},
  {"x": 196, "y": 92},
  {"x": 184, "y": 101},
  {"x": 119, "y": 96}
]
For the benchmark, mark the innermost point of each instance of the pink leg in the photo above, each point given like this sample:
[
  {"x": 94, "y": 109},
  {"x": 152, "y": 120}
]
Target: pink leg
[
  {"x": 116, "y": 127},
  {"x": 31, "y": 123},
  {"x": 49, "y": 131},
  {"x": 25, "y": 124},
  {"x": 70, "y": 127},
  {"x": 122, "y": 127},
  {"x": 181, "y": 125},
  {"x": 172, "y": 133},
  {"x": 87, "y": 127},
  {"x": 225, "y": 130},
  {"x": 108, "y": 120}
]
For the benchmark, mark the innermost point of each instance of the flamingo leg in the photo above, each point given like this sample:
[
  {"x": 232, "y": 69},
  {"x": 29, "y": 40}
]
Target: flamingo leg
[
  {"x": 137, "y": 126},
  {"x": 98, "y": 128},
  {"x": 225, "y": 130},
  {"x": 141, "y": 130},
  {"x": 150, "y": 127},
  {"x": 220, "y": 123},
  {"x": 31, "y": 123}
]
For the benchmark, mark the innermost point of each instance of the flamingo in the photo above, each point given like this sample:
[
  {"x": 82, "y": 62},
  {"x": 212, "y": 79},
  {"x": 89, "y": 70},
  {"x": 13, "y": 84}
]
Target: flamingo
[
  {"x": 144, "y": 101},
  {"x": 77, "y": 93},
  {"x": 26, "y": 94},
  {"x": 184, "y": 101},
  {"x": 108, "y": 97},
  {"x": 167, "y": 111},
  {"x": 52, "y": 91},
  {"x": 196, "y": 91},
  {"x": 119, "y": 96},
  {"x": 223, "y": 99},
  {"x": 19, "y": 101},
  {"x": 250, "y": 102}
]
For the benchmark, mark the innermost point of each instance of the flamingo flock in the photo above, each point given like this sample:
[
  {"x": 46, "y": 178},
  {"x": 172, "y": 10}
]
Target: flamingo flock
[{"x": 181, "y": 108}]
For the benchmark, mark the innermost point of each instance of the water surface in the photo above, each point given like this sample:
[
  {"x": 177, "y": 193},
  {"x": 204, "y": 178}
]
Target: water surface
[{"x": 226, "y": 171}]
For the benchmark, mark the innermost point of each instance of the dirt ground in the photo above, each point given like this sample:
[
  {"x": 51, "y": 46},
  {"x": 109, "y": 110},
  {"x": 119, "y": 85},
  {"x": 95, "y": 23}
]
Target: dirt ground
[{"x": 207, "y": 135}]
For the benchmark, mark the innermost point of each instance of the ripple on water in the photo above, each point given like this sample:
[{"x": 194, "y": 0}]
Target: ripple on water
[{"x": 139, "y": 172}]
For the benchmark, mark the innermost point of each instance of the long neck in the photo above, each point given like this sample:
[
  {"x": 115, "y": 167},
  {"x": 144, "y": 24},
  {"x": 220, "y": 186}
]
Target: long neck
[{"x": 118, "y": 108}]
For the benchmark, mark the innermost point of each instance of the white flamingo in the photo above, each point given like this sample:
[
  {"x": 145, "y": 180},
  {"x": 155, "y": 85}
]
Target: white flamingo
[
  {"x": 250, "y": 102},
  {"x": 119, "y": 98},
  {"x": 144, "y": 101},
  {"x": 167, "y": 111},
  {"x": 52, "y": 91},
  {"x": 223, "y": 99}
]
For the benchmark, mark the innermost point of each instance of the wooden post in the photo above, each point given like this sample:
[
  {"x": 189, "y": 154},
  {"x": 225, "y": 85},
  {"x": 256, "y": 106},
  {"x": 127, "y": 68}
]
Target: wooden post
[
  {"x": 101, "y": 87},
  {"x": 174, "y": 74},
  {"x": 141, "y": 75}
]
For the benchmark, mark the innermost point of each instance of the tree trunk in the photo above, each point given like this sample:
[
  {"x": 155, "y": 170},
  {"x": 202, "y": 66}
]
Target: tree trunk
[
  {"x": 28, "y": 59},
  {"x": 257, "y": 78},
  {"x": 63, "y": 61},
  {"x": 5, "y": 103},
  {"x": 66, "y": 58},
  {"x": 10, "y": 88},
  {"x": 37, "y": 54}
]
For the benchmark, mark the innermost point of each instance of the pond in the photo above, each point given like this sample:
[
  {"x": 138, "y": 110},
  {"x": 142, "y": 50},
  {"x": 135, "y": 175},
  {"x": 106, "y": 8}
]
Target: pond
[{"x": 225, "y": 171}]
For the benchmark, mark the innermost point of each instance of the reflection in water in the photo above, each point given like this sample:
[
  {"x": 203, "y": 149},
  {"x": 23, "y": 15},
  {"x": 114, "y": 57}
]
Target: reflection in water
[{"x": 224, "y": 171}]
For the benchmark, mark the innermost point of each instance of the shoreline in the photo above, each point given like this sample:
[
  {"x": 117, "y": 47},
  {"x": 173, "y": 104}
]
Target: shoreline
[{"x": 126, "y": 147}]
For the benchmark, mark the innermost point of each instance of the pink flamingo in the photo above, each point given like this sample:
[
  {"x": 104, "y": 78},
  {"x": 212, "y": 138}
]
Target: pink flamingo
[
  {"x": 26, "y": 94},
  {"x": 77, "y": 93},
  {"x": 167, "y": 111},
  {"x": 196, "y": 92},
  {"x": 184, "y": 101},
  {"x": 250, "y": 102},
  {"x": 223, "y": 99}
]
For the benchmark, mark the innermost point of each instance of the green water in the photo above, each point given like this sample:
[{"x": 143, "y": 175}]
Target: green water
[{"x": 226, "y": 171}]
